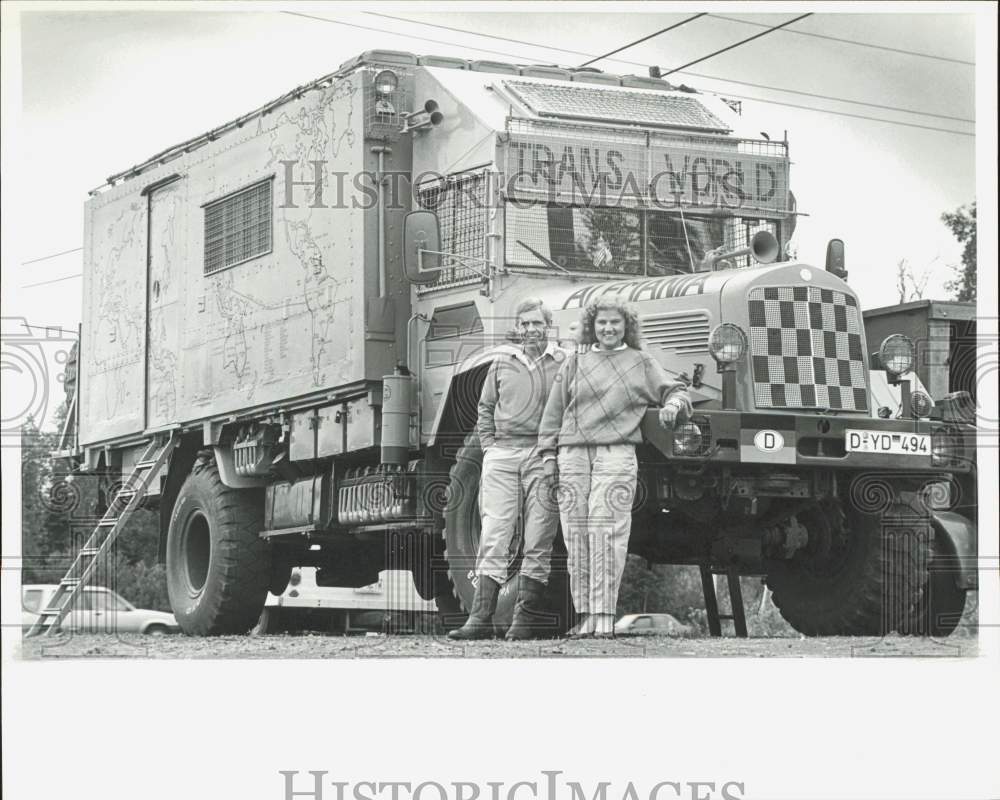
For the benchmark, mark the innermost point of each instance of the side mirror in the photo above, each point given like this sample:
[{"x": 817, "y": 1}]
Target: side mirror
[
  {"x": 793, "y": 218},
  {"x": 421, "y": 247},
  {"x": 835, "y": 258}
]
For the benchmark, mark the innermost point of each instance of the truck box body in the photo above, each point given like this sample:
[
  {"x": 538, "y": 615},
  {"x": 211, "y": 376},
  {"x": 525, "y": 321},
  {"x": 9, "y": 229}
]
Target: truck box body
[{"x": 176, "y": 331}]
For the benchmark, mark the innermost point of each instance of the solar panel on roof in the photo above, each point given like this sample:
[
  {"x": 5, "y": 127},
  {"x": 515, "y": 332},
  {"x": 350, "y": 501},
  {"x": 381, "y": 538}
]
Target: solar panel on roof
[{"x": 615, "y": 105}]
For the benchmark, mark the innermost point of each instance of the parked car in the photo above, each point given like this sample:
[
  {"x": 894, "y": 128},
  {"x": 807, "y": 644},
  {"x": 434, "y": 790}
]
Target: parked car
[
  {"x": 651, "y": 625},
  {"x": 97, "y": 610},
  {"x": 389, "y": 605}
]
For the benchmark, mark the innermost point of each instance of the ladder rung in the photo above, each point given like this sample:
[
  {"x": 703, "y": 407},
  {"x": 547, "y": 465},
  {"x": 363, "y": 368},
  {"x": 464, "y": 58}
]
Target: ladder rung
[{"x": 125, "y": 495}]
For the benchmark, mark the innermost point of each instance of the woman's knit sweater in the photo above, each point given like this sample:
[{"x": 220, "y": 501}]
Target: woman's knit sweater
[{"x": 601, "y": 396}]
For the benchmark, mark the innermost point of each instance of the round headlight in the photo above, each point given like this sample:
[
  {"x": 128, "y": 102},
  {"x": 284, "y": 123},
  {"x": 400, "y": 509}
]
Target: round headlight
[
  {"x": 896, "y": 354},
  {"x": 386, "y": 82},
  {"x": 921, "y": 404},
  {"x": 687, "y": 439},
  {"x": 727, "y": 343}
]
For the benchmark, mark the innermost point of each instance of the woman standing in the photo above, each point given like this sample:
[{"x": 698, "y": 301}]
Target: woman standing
[{"x": 592, "y": 420}]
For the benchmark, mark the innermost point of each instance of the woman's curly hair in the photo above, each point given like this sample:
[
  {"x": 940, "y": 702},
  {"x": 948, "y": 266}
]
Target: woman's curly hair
[{"x": 629, "y": 314}]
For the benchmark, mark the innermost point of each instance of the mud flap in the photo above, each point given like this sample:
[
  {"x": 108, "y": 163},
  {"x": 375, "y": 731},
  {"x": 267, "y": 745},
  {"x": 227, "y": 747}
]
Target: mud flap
[{"x": 956, "y": 540}]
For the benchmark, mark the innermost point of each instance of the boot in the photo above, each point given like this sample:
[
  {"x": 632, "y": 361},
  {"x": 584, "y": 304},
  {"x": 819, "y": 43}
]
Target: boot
[
  {"x": 584, "y": 629},
  {"x": 604, "y": 626},
  {"x": 530, "y": 618},
  {"x": 479, "y": 625}
]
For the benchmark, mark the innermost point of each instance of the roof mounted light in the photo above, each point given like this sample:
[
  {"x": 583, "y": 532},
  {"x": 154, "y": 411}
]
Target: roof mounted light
[
  {"x": 727, "y": 343},
  {"x": 386, "y": 82},
  {"x": 896, "y": 354}
]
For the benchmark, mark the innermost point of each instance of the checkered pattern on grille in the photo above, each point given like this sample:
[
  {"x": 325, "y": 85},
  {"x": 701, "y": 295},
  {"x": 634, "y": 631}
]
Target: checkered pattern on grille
[{"x": 806, "y": 349}]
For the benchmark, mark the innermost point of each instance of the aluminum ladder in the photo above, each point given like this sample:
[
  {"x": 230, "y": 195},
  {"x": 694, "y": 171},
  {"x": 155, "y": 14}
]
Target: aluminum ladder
[
  {"x": 737, "y": 614},
  {"x": 108, "y": 529}
]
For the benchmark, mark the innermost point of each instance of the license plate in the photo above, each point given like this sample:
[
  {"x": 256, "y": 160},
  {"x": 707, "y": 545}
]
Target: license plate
[{"x": 901, "y": 444}]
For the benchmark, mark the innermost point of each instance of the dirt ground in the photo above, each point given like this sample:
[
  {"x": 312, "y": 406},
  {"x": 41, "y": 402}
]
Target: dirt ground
[{"x": 308, "y": 646}]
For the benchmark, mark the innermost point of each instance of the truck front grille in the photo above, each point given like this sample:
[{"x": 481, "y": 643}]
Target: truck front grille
[{"x": 806, "y": 349}]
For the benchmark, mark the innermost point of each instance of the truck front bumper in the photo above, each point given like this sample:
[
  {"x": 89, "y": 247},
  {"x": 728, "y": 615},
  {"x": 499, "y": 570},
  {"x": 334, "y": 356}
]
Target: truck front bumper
[{"x": 736, "y": 437}]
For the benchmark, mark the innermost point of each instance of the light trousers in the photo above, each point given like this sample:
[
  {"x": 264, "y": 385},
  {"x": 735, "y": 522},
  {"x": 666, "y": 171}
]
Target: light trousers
[
  {"x": 511, "y": 488},
  {"x": 596, "y": 489}
]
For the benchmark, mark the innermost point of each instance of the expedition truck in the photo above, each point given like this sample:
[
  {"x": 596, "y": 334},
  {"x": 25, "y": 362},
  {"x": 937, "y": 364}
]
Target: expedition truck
[{"x": 301, "y": 306}]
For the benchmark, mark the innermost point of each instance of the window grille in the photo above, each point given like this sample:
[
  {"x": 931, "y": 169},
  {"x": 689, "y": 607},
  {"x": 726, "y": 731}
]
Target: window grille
[
  {"x": 238, "y": 227},
  {"x": 461, "y": 205}
]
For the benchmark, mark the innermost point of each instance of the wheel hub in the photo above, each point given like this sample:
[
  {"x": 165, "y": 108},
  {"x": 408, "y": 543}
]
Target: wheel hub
[{"x": 197, "y": 551}]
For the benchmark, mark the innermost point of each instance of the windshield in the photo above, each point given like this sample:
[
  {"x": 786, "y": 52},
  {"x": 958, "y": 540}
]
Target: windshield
[{"x": 621, "y": 240}]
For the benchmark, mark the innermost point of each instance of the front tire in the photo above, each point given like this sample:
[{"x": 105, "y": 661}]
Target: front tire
[
  {"x": 852, "y": 579},
  {"x": 218, "y": 566},
  {"x": 942, "y": 603}
]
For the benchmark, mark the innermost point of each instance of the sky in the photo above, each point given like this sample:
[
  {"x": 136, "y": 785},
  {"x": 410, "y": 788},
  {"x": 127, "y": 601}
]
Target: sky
[{"x": 104, "y": 89}]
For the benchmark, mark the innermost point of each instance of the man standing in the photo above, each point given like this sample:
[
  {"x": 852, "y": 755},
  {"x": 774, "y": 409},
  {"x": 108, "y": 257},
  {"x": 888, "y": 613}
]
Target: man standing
[{"x": 511, "y": 487}]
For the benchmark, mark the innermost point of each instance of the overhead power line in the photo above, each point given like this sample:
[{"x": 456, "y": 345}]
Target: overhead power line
[
  {"x": 393, "y": 33},
  {"x": 52, "y": 255},
  {"x": 728, "y": 94},
  {"x": 54, "y": 280},
  {"x": 848, "y": 114},
  {"x": 644, "y": 67},
  {"x": 643, "y": 39},
  {"x": 852, "y": 42},
  {"x": 737, "y": 44},
  {"x": 716, "y": 16},
  {"x": 47, "y": 328}
]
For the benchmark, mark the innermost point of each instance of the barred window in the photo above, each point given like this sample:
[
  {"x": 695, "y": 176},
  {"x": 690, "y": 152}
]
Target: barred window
[
  {"x": 238, "y": 227},
  {"x": 461, "y": 205}
]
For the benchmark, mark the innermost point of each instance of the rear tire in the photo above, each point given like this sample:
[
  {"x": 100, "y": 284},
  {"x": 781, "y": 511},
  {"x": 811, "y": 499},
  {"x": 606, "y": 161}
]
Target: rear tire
[
  {"x": 852, "y": 579},
  {"x": 218, "y": 566},
  {"x": 463, "y": 531}
]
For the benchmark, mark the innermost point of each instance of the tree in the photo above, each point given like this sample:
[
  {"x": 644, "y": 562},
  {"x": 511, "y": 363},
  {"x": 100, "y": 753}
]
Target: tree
[
  {"x": 912, "y": 286},
  {"x": 962, "y": 224},
  {"x": 58, "y": 514},
  {"x": 36, "y": 474}
]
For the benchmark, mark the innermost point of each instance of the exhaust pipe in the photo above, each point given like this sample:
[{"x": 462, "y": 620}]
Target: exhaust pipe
[{"x": 763, "y": 248}]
